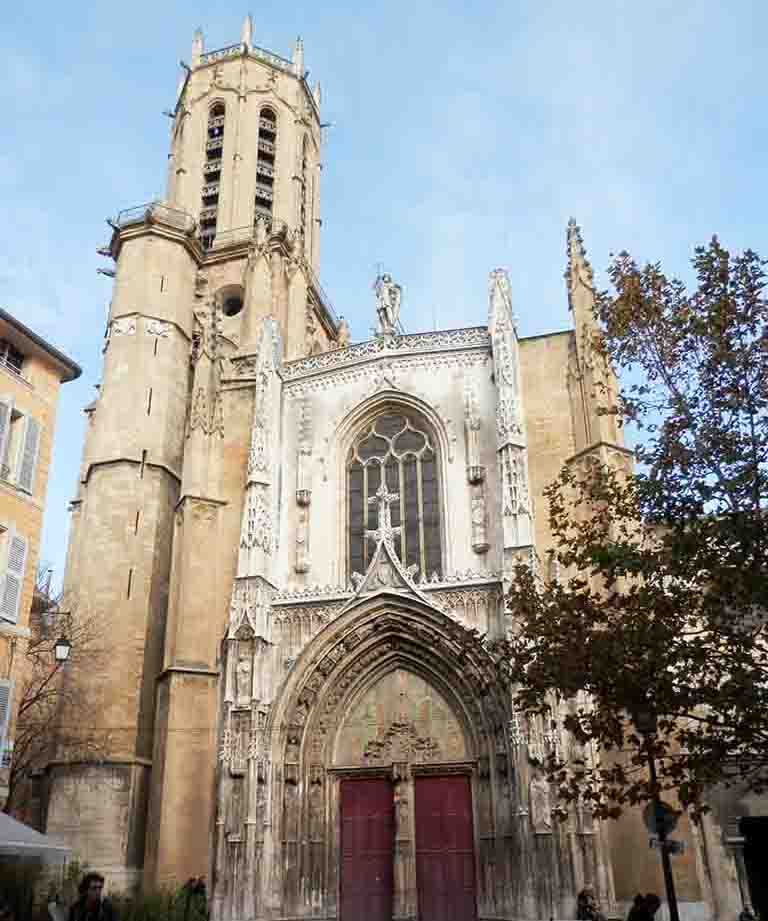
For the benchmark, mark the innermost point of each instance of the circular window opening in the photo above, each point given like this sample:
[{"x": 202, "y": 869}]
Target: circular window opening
[
  {"x": 232, "y": 305},
  {"x": 231, "y": 299}
]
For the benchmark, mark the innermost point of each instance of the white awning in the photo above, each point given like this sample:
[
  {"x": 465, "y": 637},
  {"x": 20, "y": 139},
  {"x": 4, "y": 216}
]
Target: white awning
[{"x": 22, "y": 841}]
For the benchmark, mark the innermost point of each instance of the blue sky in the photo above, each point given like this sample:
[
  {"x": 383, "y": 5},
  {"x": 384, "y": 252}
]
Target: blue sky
[{"x": 464, "y": 136}]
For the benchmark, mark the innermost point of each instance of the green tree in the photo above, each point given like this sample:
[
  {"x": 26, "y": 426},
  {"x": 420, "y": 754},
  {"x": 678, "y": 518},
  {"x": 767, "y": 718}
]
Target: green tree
[{"x": 662, "y": 596}]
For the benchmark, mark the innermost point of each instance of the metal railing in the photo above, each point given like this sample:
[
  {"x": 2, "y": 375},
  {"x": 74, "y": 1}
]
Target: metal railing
[
  {"x": 265, "y": 192},
  {"x": 212, "y": 166},
  {"x": 154, "y": 211},
  {"x": 268, "y": 124},
  {"x": 266, "y": 146}
]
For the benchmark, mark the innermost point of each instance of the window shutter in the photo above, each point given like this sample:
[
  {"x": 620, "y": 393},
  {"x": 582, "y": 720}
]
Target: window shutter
[
  {"x": 5, "y": 425},
  {"x": 29, "y": 452},
  {"x": 14, "y": 579},
  {"x": 6, "y": 693}
]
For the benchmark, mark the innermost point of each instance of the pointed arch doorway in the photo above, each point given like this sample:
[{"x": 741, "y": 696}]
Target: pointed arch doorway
[{"x": 405, "y": 806}]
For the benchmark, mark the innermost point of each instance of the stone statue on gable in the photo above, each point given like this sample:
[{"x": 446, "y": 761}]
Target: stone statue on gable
[{"x": 388, "y": 294}]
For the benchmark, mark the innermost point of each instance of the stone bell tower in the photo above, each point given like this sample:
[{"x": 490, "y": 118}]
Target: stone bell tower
[{"x": 235, "y": 241}]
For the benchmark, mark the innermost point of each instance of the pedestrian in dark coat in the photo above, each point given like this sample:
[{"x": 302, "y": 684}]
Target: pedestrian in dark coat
[{"x": 92, "y": 905}]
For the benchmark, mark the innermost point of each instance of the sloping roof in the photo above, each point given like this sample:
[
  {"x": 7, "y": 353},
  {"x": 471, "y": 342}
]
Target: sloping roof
[
  {"x": 22, "y": 841},
  {"x": 71, "y": 369}
]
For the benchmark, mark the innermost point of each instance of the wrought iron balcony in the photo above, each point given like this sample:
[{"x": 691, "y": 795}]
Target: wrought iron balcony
[
  {"x": 268, "y": 124},
  {"x": 266, "y": 146},
  {"x": 211, "y": 189},
  {"x": 212, "y": 166},
  {"x": 264, "y": 169},
  {"x": 264, "y": 192}
]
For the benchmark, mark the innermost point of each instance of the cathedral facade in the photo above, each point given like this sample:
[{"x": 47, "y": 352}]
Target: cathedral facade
[{"x": 294, "y": 541}]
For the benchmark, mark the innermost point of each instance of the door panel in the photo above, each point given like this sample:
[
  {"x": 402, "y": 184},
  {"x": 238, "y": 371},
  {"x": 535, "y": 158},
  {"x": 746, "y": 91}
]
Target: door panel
[
  {"x": 445, "y": 858},
  {"x": 367, "y": 847}
]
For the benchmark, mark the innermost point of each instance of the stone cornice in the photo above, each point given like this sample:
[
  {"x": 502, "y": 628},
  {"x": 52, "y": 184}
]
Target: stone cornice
[
  {"x": 473, "y": 338},
  {"x": 152, "y": 221},
  {"x": 597, "y": 446},
  {"x": 129, "y": 460}
]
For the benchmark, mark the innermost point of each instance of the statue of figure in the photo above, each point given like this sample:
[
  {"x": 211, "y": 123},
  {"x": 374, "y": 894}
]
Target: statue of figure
[
  {"x": 343, "y": 337},
  {"x": 243, "y": 680},
  {"x": 388, "y": 295},
  {"x": 541, "y": 812}
]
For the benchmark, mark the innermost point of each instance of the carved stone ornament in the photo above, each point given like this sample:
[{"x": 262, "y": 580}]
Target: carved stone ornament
[
  {"x": 249, "y": 608},
  {"x": 509, "y": 424},
  {"x": 385, "y": 570},
  {"x": 123, "y": 326},
  {"x": 159, "y": 328},
  {"x": 401, "y": 742},
  {"x": 457, "y": 340},
  {"x": 258, "y": 527}
]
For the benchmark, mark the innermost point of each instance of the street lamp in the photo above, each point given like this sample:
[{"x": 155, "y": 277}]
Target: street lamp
[
  {"x": 646, "y": 723},
  {"x": 61, "y": 650}
]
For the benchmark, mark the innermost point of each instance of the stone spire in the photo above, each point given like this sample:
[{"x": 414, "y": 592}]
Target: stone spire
[
  {"x": 317, "y": 94},
  {"x": 298, "y": 58},
  {"x": 579, "y": 271},
  {"x": 591, "y": 377},
  {"x": 198, "y": 46},
  {"x": 246, "y": 32}
]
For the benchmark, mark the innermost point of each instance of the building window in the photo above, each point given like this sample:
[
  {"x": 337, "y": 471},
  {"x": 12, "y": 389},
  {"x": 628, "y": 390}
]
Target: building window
[
  {"x": 399, "y": 448},
  {"x": 20, "y": 437},
  {"x": 13, "y": 560},
  {"x": 11, "y": 357},
  {"x": 266, "y": 150},
  {"x": 214, "y": 146}
]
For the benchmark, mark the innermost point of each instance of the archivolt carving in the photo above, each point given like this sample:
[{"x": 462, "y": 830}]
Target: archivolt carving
[{"x": 359, "y": 650}]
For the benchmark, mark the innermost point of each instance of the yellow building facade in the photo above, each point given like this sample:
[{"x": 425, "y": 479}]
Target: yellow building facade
[{"x": 31, "y": 373}]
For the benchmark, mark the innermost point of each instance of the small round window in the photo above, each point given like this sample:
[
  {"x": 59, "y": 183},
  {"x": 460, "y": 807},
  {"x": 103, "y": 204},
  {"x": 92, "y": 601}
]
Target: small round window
[{"x": 231, "y": 300}]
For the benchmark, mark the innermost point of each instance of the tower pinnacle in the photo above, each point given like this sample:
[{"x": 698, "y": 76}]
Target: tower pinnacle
[
  {"x": 298, "y": 58},
  {"x": 579, "y": 269},
  {"x": 246, "y": 33},
  {"x": 198, "y": 46}
]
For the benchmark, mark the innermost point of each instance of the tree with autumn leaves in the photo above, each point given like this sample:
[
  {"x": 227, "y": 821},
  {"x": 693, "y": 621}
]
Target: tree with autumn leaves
[{"x": 661, "y": 602}]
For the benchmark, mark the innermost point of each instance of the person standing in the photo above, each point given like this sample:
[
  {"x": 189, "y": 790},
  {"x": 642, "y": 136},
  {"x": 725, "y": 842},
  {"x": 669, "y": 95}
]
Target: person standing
[{"x": 92, "y": 904}]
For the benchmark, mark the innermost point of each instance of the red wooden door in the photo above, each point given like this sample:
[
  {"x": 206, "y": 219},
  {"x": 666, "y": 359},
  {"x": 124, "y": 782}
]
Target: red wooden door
[
  {"x": 367, "y": 849},
  {"x": 445, "y": 859}
]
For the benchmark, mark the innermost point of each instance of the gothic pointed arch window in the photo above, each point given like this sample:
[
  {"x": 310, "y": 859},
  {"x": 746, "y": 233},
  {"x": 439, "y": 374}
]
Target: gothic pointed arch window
[
  {"x": 214, "y": 145},
  {"x": 266, "y": 151},
  {"x": 398, "y": 448}
]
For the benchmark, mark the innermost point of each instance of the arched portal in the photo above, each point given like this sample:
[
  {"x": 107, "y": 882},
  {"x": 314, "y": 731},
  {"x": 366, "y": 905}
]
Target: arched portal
[{"x": 393, "y": 724}]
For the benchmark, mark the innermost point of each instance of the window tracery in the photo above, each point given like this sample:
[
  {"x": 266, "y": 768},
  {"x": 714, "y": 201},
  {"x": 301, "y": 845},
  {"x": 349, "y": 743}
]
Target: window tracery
[{"x": 399, "y": 448}]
